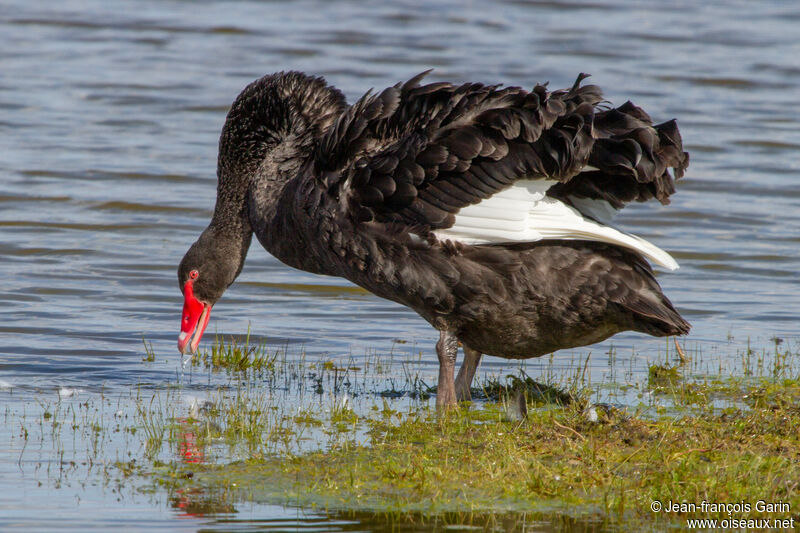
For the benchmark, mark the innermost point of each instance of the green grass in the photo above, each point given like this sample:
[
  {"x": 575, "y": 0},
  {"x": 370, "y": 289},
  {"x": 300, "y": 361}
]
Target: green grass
[
  {"x": 560, "y": 459},
  {"x": 149, "y": 353},
  {"x": 236, "y": 356},
  {"x": 476, "y": 461}
]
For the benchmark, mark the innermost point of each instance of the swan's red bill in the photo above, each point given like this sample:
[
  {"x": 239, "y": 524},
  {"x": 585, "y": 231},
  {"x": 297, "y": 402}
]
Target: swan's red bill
[{"x": 194, "y": 320}]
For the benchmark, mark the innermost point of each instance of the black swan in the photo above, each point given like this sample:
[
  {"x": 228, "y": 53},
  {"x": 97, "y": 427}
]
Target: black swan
[{"x": 485, "y": 209}]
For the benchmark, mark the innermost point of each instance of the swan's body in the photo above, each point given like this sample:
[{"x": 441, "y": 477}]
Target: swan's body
[{"x": 486, "y": 210}]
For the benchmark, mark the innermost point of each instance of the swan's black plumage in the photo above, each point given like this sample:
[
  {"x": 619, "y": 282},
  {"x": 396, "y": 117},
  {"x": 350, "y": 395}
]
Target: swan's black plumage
[{"x": 358, "y": 192}]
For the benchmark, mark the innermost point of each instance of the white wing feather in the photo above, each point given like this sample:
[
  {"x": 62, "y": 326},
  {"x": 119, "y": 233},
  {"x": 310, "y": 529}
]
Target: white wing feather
[{"x": 523, "y": 213}]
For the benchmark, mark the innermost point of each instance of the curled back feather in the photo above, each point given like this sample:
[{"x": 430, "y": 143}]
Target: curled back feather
[{"x": 416, "y": 154}]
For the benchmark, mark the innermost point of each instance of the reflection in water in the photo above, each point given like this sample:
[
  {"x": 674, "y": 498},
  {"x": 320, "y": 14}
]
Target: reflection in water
[
  {"x": 197, "y": 503},
  {"x": 188, "y": 449}
]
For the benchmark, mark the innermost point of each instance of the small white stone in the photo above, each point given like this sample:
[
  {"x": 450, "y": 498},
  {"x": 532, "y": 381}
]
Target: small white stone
[{"x": 66, "y": 392}]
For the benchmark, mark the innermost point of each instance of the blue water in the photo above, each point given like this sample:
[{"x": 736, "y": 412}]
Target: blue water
[{"x": 109, "y": 118}]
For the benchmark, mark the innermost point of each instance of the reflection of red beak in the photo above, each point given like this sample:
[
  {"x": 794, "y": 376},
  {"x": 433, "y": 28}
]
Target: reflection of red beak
[
  {"x": 188, "y": 448},
  {"x": 195, "y": 319}
]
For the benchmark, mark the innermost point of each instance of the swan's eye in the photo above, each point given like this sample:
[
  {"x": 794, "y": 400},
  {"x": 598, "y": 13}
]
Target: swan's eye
[{"x": 193, "y": 274}]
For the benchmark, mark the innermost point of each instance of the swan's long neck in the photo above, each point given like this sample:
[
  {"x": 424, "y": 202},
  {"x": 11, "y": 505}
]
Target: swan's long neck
[{"x": 271, "y": 129}]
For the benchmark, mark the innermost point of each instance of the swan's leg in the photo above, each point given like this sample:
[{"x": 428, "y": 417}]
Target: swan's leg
[
  {"x": 472, "y": 358},
  {"x": 446, "y": 349}
]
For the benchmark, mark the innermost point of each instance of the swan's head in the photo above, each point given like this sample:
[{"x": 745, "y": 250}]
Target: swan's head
[
  {"x": 196, "y": 312},
  {"x": 208, "y": 268}
]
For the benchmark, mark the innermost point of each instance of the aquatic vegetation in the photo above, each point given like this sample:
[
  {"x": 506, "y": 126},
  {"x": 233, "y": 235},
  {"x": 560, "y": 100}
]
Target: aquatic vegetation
[
  {"x": 236, "y": 355},
  {"x": 149, "y": 353},
  {"x": 415, "y": 462},
  {"x": 725, "y": 439},
  {"x": 353, "y": 436},
  {"x": 155, "y": 419},
  {"x": 662, "y": 376},
  {"x": 533, "y": 391}
]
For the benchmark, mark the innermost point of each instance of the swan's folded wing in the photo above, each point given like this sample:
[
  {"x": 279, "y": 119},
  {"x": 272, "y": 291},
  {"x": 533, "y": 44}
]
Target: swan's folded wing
[{"x": 421, "y": 155}]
